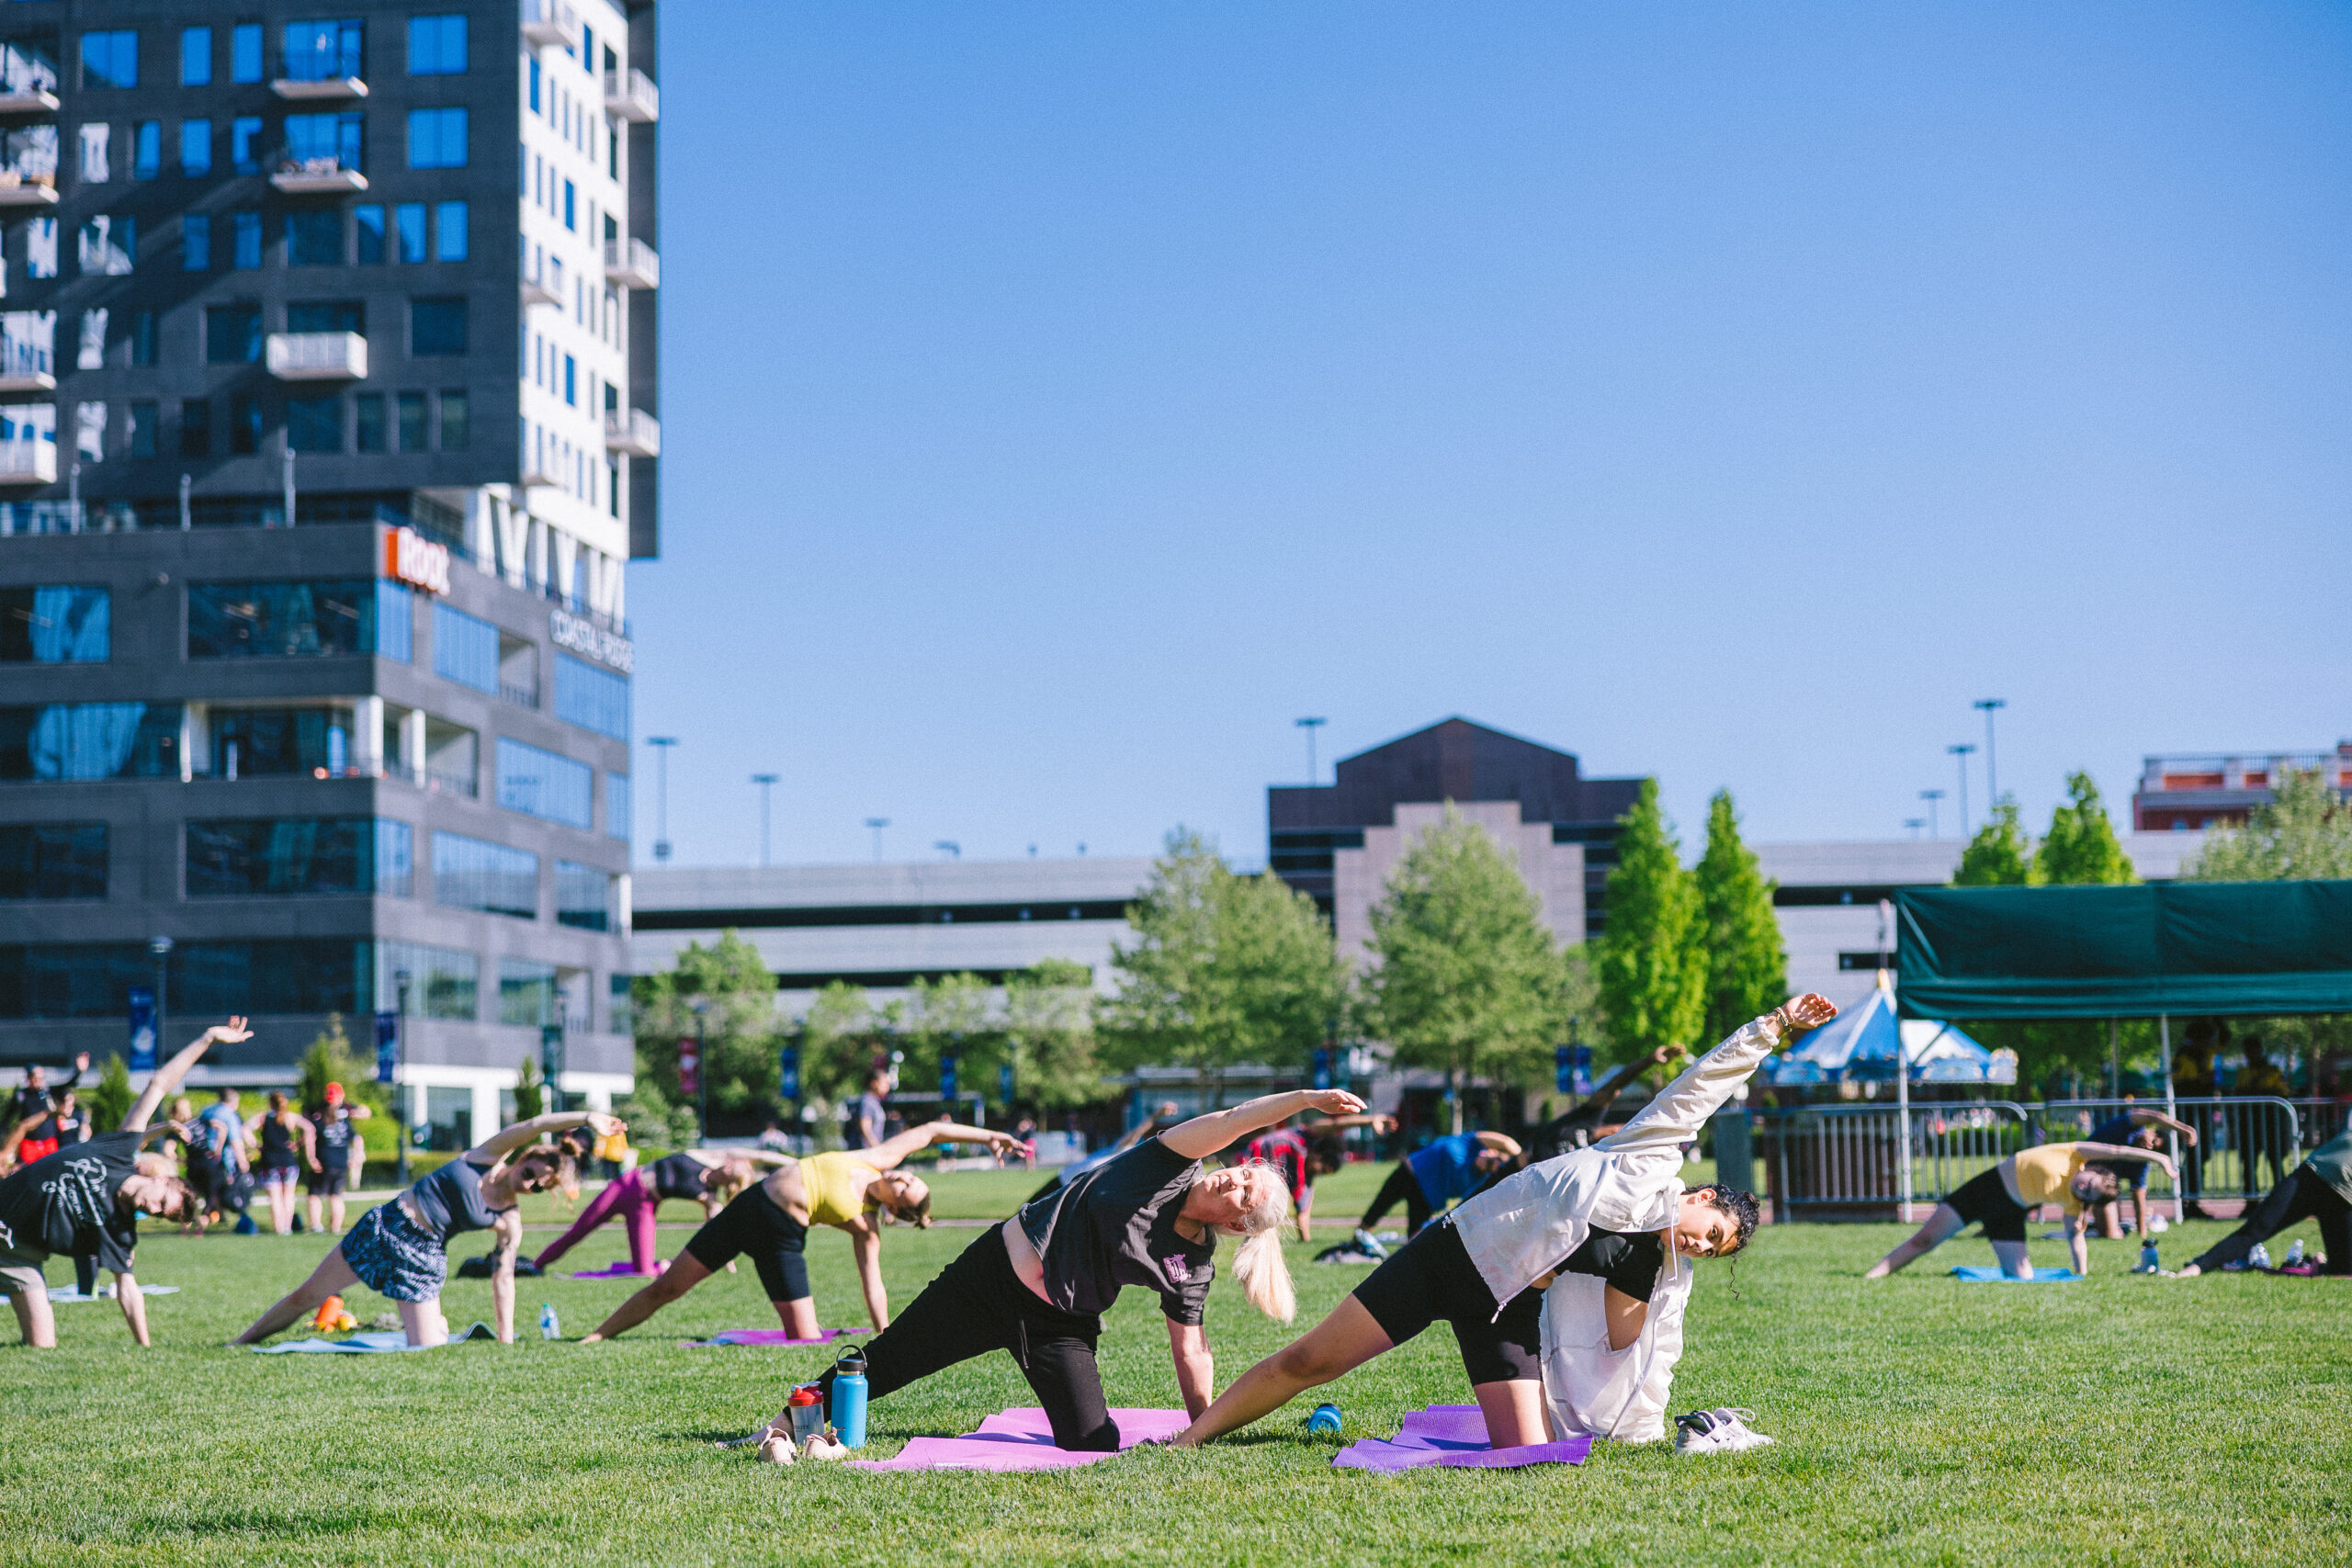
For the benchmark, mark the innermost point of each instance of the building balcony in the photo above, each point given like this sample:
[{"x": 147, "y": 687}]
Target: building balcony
[
  {"x": 27, "y": 100},
  {"x": 20, "y": 189},
  {"x": 28, "y": 462},
  {"x": 632, "y": 264},
  {"x": 549, "y": 22},
  {"x": 319, "y": 89},
  {"x": 318, "y": 176},
  {"x": 21, "y": 371},
  {"x": 630, "y": 94},
  {"x": 317, "y": 356},
  {"x": 538, "y": 473},
  {"x": 537, "y": 293},
  {"x": 632, "y": 431}
]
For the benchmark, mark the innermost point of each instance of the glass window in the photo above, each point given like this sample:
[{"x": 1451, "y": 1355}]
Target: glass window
[
  {"x": 107, "y": 245},
  {"x": 323, "y": 141},
  {"x": 195, "y": 57},
  {"x": 571, "y": 211},
  {"x": 621, "y": 1011},
  {"x": 449, "y": 231},
  {"x": 571, "y": 381},
  {"x": 233, "y": 334},
  {"x": 70, "y": 980},
  {"x": 327, "y": 316},
  {"x": 314, "y": 237},
  {"x": 322, "y": 618},
  {"x": 367, "y": 423},
  {"x": 327, "y": 975},
  {"x": 526, "y": 992},
  {"x": 465, "y": 648},
  {"x": 245, "y": 240},
  {"x": 245, "y": 52},
  {"x": 541, "y": 784},
  {"x": 314, "y": 425},
  {"x": 437, "y": 326},
  {"x": 142, "y": 338},
  {"x": 144, "y": 419},
  {"x": 535, "y": 84},
  {"x": 583, "y": 896},
  {"x": 408, "y": 219},
  {"x": 322, "y": 51},
  {"x": 249, "y": 743},
  {"x": 442, "y": 981},
  {"x": 590, "y": 697},
  {"x": 244, "y": 143},
  {"x": 196, "y": 148},
  {"x": 437, "y": 139},
  {"x": 245, "y": 425},
  {"x": 436, "y": 46},
  {"x": 90, "y": 741},
  {"x": 110, "y": 59},
  {"x": 616, "y": 816},
  {"x": 53, "y": 860},
  {"x": 472, "y": 874},
  {"x": 395, "y": 621},
  {"x": 195, "y": 241},
  {"x": 147, "y": 150},
  {"x": 196, "y": 428},
  {"x": 265, "y": 856},
  {"x": 411, "y": 408},
  {"x": 455, "y": 424},
  {"x": 368, "y": 220},
  {"x": 56, "y": 625}
]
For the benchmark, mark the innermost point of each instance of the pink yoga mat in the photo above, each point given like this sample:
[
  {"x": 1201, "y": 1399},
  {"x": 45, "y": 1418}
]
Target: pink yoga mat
[
  {"x": 1454, "y": 1436},
  {"x": 1021, "y": 1440},
  {"x": 622, "y": 1270},
  {"x": 771, "y": 1336}
]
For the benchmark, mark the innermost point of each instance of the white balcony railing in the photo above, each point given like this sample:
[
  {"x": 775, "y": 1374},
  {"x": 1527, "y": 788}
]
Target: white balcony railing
[
  {"x": 317, "y": 176},
  {"x": 632, "y": 264},
  {"x": 20, "y": 189},
  {"x": 633, "y": 431},
  {"x": 317, "y": 356},
  {"x": 28, "y": 462},
  {"x": 26, "y": 99},
  {"x": 631, "y": 94},
  {"x": 549, "y": 22}
]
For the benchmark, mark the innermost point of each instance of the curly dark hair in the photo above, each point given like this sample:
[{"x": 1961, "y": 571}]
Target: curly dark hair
[{"x": 1741, "y": 1207}]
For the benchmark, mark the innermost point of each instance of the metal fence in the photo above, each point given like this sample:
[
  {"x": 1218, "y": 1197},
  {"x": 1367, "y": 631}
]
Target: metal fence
[{"x": 1847, "y": 1161}]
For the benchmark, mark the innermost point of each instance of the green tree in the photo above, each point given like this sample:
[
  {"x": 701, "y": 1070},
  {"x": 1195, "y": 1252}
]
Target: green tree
[
  {"x": 2081, "y": 847},
  {"x": 112, "y": 1096},
  {"x": 1464, "y": 976},
  {"x": 841, "y": 1035},
  {"x": 1999, "y": 855},
  {"x": 530, "y": 1090},
  {"x": 1746, "y": 968},
  {"x": 1049, "y": 1028},
  {"x": 952, "y": 1016},
  {"x": 332, "y": 1058},
  {"x": 741, "y": 1029},
  {"x": 1652, "y": 978},
  {"x": 2305, "y": 830}
]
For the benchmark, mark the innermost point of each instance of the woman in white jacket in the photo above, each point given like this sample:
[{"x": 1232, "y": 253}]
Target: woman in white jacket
[{"x": 1605, "y": 1222}]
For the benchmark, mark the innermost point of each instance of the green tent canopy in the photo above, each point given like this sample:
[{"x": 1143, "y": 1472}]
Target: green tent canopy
[{"x": 2178, "y": 948}]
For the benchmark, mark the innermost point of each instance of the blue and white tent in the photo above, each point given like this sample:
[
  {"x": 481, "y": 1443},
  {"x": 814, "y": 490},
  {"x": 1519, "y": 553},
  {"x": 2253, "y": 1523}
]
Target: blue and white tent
[{"x": 1860, "y": 1046}]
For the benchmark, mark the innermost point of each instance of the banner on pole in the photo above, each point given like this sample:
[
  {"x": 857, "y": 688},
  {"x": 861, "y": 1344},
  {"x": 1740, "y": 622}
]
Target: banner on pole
[
  {"x": 387, "y": 1047},
  {"x": 689, "y": 1067},
  {"x": 142, "y": 1028},
  {"x": 1004, "y": 1084},
  {"x": 947, "y": 1065},
  {"x": 1322, "y": 1067},
  {"x": 1572, "y": 1069},
  {"x": 787, "y": 1071}
]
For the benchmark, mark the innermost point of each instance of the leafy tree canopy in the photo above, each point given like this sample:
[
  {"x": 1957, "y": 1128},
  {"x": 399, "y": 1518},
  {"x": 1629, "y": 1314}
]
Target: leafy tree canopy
[
  {"x": 1999, "y": 855},
  {"x": 2081, "y": 847},
  {"x": 2304, "y": 831},
  {"x": 1747, "y": 968},
  {"x": 1653, "y": 980}
]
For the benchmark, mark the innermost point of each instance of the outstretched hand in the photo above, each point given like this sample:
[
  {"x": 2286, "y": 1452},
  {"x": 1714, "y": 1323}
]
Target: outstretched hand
[
  {"x": 605, "y": 1126},
  {"x": 1810, "y": 1010},
  {"x": 1335, "y": 1102},
  {"x": 230, "y": 1034}
]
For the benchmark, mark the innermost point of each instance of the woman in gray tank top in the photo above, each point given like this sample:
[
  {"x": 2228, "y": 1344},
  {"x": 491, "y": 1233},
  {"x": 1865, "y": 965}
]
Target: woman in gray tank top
[{"x": 401, "y": 1248}]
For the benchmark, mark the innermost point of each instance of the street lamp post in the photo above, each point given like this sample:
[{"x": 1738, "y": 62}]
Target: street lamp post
[
  {"x": 1310, "y": 725},
  {"x": 1931, "y": 796},
  {"x": 877, "y": 824},
  {"x": 661, "y": 744},
  {"x": 702, "y": 1070},
  {"x": 1962, "y": 752},
  {"x": 399, "y": 1074},
  {"x": 767, "y": 785},
  {"x": 1992, "y": 784},
  {"x": 161, "y": 947}
]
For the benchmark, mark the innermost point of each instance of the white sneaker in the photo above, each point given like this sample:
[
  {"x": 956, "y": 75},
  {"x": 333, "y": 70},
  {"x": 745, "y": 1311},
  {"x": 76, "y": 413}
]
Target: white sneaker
[
  {"x": 776, "y": 1449},
  {"x": 1370, "y": 1243},
  {"x": 823, "y": 1445},
  {"x": 1716, "y": 1432}
]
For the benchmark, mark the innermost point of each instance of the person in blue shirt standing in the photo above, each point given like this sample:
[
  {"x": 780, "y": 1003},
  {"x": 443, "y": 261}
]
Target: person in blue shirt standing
[
  {"x": 1438, "y": 1173},
  {"x": 220, "y": 1137}
]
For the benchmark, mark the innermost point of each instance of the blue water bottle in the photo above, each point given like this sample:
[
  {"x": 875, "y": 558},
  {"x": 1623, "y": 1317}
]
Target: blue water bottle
[
  {"x": 1324, "y": 1419},
  {"x": 549, "y": 1327},
  {"x": 2150, "y": 1261},
  {"x": 849, "y": 1400}
]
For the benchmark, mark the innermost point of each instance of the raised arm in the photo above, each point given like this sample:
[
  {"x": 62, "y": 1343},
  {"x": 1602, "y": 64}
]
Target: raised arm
[
  {"x": 1683, "y": 1106},
  {"x": 2147, "y": 1118},
  {"x": 506, "y": 1140},
  {"x": 890, "y": 1151},
  {"x": 1203, "y": 1135},
  {"x": 1614, "y": 1084},
  {"x": 169, "y": 1077},
  {"x": 2156, "y": 1157},
  {"x": 1501, "y": 1143},
  {"x": 1371, "y": 1118}
]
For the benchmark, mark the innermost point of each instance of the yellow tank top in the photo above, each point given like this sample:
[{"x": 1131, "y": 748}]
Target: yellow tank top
[
  {"x": 836, "y": 1195},
  {"x": 2043, "y": 1173}
]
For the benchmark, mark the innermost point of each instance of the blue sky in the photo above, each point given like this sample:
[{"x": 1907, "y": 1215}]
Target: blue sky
[{"x": 1059, "y": 400}]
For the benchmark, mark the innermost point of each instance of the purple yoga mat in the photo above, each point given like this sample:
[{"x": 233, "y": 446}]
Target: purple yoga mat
[
  {"x": 1021, "y": 1440},
  {"x": 1454, "y": 1436},
  {"x": 622, "y": 1270},
  {"x": 771, "y": 1336}
]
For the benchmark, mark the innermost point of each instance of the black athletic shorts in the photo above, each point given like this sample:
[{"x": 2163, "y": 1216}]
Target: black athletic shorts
[
  {"x": 326, "y": 1183},
  {"x": 756, "y": 1224},
  {"x": 1987, "y": 1199},
  {"x": 1432, "y": 1276}
]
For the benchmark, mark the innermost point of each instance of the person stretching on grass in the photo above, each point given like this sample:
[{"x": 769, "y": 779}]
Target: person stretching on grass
[
  {"x": 401, "y": 1248},
  {"x": 86, "y": 1198},
  {"x": 1037, "y": 1285},
  {"x": 2004, "y": 1197},
  {"x": 1304, "y": 1153},
  {"x": 857, "y": 1190},
  {"x": 1432, "y": 1176},
  {"x": 1616, "y": 1214},
  {"x": 634, "y": 1196},
  {"x": 2143, "y": 1127},
  {"x": 2320, "y": 1189}
]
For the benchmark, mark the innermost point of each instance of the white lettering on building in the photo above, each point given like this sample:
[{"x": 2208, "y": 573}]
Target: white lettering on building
[
  {"x": 410, "y": 557},
  {"x": 583, "y": 636}
]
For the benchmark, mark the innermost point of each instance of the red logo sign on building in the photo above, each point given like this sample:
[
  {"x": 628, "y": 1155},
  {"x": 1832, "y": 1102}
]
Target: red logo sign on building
[{"x": 410, "y": 557}]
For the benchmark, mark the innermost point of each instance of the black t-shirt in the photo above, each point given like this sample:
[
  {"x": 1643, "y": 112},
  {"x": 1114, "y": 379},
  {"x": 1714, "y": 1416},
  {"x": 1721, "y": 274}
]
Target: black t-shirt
[
  {"x": 69, "y": 1202},
  {"x": 451, "y": 1200},
  {"x": 678, "y": 1176},
  {"x": 1116, "y": 1225},
  {"x": 335, "y": 1136},
  {"x": 1629, "y": 1263}
]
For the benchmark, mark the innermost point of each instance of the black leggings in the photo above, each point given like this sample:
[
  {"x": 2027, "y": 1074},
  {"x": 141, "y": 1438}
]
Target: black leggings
[
  {"x": 978, "y": 1304},
  {"x": 1402, "y": 1186},
  {"x": 2302, "y": 1196}
]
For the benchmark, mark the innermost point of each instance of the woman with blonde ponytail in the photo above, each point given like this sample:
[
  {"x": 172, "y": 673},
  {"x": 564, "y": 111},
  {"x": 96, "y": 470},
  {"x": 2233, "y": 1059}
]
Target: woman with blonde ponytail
[{"x": 1038, "y": 1284}]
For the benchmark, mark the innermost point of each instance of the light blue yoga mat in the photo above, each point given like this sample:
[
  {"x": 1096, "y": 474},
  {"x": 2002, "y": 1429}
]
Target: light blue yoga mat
[
  {"x": 1989, "y": 1274},
  {"x": 106, "y": 1292},
  {"x": 369, "y": 1343}
]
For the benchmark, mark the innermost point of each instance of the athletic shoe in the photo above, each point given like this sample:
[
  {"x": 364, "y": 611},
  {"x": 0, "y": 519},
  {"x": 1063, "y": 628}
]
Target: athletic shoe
[
  {"x": 775, "y": 1448},
  {"x": 1370, "y": 1243},
  {"x": 1724, "y": 1431},
  {"x": 823, "y": 1445}
]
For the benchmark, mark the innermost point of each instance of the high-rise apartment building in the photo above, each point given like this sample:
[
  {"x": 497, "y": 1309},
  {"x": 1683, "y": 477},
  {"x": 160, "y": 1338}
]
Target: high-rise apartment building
[{"x": 328, "y": 424}]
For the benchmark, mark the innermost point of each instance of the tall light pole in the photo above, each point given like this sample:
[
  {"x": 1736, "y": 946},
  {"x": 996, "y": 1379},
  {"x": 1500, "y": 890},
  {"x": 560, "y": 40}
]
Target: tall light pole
[
  {"x": 1992, "y": 785},
  {"x": 1915, "y": 824},
  {"x": 877, "y": 824},
  {"x": 1310, "y": 725},
  {"x": 661, "y": 744},
  {"x": 702, "y": 1070},
  {"x": 1962, "y": 752},
  {"x": 400, "y": 1068},
  {"x": 161, "y": 947},
  {"x": 1931, "y": 796},
  {"x": 768, "y": 783}
]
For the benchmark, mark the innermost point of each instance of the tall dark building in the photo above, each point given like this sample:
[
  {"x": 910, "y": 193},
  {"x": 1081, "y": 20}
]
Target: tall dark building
[
  {"x": 328, "y": 424},
  {"x": 1457, "y": 761}
]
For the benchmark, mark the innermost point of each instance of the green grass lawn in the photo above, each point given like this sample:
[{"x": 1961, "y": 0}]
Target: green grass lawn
[{"x": 2123, "y": 1420}]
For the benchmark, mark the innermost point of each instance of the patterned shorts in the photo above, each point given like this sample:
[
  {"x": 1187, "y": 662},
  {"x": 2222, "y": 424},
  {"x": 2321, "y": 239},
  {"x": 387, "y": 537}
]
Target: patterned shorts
[{"x": 394, "y": 1257}]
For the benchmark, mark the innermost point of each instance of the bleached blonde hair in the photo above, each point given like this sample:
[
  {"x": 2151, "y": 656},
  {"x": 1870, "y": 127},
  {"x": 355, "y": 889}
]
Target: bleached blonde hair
[{"x": 1257, "y": 1266}]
